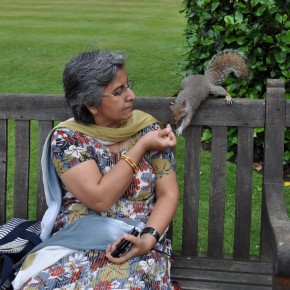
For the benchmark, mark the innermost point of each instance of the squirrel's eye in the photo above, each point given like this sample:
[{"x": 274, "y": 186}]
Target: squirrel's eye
[{"x": 181, "y": 111}]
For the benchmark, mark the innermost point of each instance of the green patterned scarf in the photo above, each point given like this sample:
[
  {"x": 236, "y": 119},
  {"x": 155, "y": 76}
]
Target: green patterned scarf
[{"x": 137, "y": 122}]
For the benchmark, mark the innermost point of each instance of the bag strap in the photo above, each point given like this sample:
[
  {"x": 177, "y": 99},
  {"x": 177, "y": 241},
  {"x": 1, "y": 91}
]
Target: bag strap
[
  {"x": 7, "y": 269},
  {"x": 20, "y": 231}
]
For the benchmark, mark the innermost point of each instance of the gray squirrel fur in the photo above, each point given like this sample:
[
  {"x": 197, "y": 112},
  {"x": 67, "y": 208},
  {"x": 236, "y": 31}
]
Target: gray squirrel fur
[{"x": 196, "y": 88}]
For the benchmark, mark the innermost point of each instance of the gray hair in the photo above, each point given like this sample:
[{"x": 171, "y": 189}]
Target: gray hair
[{"x": 85, "y": 78}]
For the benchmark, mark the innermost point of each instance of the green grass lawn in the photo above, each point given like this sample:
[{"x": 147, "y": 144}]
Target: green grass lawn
[{"x": 39, "y": 37}]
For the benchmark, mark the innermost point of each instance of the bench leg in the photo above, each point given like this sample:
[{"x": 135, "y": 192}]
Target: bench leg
[{"x": 281, "y": 283}]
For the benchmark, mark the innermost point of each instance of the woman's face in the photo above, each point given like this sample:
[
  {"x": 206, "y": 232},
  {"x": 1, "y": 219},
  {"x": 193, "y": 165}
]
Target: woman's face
[{"x": 115, "y": 108}]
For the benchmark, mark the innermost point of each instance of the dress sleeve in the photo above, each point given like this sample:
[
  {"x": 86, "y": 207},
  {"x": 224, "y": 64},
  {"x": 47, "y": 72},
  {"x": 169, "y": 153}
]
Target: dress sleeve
[
  {"x": 68, "y": 149},
  {"x": 162, "y": 162}
]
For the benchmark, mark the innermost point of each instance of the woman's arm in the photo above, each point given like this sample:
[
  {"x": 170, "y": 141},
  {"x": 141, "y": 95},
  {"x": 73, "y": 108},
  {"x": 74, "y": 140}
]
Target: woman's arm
[
  {"x": 166, "y": 203},
  {"x": 161, "y": 216},
  {"x": 99, "y": 192},
  {"x": 164, "y": 209}
]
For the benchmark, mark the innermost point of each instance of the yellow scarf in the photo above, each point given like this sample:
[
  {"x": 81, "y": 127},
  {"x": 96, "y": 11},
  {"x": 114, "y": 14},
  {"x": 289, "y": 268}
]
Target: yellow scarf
[{"x": 137, "y": 122}]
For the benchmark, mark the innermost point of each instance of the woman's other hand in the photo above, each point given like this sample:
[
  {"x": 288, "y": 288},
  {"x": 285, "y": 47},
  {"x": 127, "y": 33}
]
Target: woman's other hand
[{"x": 140, "y": 246}]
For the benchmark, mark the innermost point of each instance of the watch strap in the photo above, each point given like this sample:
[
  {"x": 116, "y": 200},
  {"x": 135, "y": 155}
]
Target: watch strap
[{"x": 151, "y": 231}]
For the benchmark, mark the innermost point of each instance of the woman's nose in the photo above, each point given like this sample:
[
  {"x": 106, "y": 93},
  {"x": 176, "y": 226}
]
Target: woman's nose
[{"x": 130, "y": 95}]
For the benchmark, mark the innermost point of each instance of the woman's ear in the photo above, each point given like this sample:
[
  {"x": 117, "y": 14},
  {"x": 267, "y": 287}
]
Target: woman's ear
[{"x": 93, "y": 110}]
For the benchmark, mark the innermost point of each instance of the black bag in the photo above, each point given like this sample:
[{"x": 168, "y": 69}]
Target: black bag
[{"x": 17, "y": 238}]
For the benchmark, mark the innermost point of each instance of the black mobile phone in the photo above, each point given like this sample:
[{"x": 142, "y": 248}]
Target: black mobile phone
[{"x": 124, "y": 245}]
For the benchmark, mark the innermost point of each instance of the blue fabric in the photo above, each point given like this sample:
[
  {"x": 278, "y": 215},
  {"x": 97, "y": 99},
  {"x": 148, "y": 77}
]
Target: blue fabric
[
  {"x": 98, "y": 231},
  {"x": 90, "y": 232},
  {"x": 52, "y": 189}
]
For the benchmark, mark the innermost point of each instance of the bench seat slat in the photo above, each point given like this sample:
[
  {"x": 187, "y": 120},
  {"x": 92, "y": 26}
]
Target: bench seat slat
[
  {"x": 227, "y": 264},
  {"x": 218, "y": 276},
  {"x": 206, "y": 273},
  {"x": 198, "y": 285}
]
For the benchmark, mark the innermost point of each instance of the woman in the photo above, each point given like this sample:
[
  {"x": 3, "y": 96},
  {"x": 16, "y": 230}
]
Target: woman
[{"x": 115, "y": 165}]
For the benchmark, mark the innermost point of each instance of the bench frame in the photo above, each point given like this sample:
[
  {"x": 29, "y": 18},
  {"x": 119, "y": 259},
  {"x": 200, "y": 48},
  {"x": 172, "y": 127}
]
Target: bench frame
[{"x": 193, "y": 270}]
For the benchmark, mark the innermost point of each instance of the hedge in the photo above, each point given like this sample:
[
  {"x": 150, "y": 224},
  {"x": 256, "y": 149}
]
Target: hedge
[{"x": 257, "y": 28}]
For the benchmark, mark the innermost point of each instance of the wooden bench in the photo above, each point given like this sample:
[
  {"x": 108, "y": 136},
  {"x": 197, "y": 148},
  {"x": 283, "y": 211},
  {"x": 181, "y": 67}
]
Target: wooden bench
[{"x": 194, "y": 270}]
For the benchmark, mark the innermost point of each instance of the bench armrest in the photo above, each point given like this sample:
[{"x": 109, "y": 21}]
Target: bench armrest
[{"x": 280, "y": 226}]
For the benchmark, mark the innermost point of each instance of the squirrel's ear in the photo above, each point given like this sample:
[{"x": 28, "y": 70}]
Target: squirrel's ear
[{"x": 184, "y": 103}]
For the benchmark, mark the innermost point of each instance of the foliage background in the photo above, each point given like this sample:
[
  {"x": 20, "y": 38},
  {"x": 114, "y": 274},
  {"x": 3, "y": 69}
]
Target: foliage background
[{"x": 257, "y": 28}]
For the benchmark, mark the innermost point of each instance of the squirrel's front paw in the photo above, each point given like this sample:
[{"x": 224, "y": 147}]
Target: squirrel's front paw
[
  {"x": 179, "y": 131},
  {"x": 228, "y": 100}
]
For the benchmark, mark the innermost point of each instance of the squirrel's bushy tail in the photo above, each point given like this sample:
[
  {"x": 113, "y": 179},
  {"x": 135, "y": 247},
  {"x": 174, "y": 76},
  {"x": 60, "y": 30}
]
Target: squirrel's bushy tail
[{"x": 225, "y": 62}]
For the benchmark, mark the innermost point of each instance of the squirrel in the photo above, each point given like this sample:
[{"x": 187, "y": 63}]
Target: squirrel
[{"x": 196, "y": 88}]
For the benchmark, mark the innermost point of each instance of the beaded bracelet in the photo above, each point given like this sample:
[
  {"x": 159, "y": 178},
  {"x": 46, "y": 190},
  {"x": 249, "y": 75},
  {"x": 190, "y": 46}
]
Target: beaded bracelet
[{"x": 131, "y": 163}]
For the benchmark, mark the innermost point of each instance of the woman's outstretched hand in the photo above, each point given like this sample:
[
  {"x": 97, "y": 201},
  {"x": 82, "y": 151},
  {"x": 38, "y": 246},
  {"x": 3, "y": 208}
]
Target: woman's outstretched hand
[{"x": 159, "y": 140}]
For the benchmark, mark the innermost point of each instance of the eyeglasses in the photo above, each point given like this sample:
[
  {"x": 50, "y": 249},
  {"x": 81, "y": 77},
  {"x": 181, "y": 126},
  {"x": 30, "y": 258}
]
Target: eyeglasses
[{"x": 122, "y": 90}]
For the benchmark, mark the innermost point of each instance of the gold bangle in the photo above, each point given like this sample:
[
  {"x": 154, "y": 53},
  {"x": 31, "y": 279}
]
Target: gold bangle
[{"x": 131, "y": 163}]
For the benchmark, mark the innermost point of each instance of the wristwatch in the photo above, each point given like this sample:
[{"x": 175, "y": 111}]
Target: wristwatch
[{"x": 151, "y": 231}]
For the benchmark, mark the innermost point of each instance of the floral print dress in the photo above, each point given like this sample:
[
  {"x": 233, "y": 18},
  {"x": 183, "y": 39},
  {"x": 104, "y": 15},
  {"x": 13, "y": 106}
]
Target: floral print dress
[{"x": 90, "y": 269}]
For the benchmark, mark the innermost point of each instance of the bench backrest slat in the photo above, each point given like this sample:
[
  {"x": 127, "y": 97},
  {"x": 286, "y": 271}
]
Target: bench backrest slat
[
  {"x": 3, "y": 168},
  {"x": 21, "y": 168},
  {"x": 191, "y": 191},
  {"x": 34, "y": 107},
  {"x": 217, "y": 192},
  {"x": 243, "y": 193}
]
